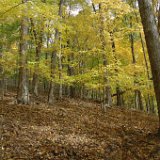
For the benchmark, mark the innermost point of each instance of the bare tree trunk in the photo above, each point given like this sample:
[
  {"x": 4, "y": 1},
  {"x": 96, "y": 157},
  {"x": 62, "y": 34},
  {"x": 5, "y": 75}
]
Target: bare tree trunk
[
  {"x": 107, "y": 89},
  {"x": 23, "y": 92},
  {"x": 148, "y": 104},
  {"x": 119, "y": 96},
  {"x": 45, "y": 82},
  {"x": 38, "y": 42},
  {"x": 159, "y": 19},
  {"x": 118, "y": 90},
  {"x": 1, "y": 78},
  {"x": 138, "y": 97},
  {"x": 153, "y": 45},
  {"x": 147, "y": 70},
  {"x": 35, "y": 81},
  {"x": 60, "y": 71},
  {"x": 71, "y": 73},
  {"x": 51, "y": 96},
  {"x": 138, "y": 100}
]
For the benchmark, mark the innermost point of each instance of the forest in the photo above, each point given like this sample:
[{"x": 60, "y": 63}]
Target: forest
[{"x": 80, "y": 79}]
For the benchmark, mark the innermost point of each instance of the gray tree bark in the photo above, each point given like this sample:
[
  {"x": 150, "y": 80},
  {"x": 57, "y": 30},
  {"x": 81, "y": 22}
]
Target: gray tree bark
[
  {"x": 51, "y": 96},
  {"x": 38, "y": 41},
  {"x": 23, "y": 92},
  {"x": 1, "y": 78},
  {"x": 107, "y": 88},
  {"x": 71, "y": 73},
  {"x": 138, "y": 97},
  {"x": 153, "y": 45}
]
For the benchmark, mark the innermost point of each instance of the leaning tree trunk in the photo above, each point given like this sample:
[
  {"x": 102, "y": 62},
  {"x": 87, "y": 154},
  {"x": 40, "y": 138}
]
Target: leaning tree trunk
[
  {"x": 149, "y": 107},
  {"x": 153, "y": 44},
  {"x": 23, "y": 93}
]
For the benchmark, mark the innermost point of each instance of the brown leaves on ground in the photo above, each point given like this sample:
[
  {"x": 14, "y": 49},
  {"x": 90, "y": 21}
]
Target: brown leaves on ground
[{"x": 76, "y": 131}]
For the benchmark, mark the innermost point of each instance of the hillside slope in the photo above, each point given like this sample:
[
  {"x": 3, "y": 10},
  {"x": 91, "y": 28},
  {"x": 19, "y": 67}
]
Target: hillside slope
[{"x": 71, "y": 131}]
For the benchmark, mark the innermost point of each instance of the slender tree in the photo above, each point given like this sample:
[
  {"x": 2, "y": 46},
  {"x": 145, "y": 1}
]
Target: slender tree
[
  {"x": 1, "y": 77},
  {"x": 51, "y": 96},
  {"x": 107, "y": 88},
  {"x": 23, "y": 92},
  {"x": 38, "y": 36},
  {"x": 138, "y": 96}
]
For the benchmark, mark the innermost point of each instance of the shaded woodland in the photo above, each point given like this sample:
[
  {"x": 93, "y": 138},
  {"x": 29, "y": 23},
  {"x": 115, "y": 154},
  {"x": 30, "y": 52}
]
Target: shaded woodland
[{"x": 80, "y": 79}]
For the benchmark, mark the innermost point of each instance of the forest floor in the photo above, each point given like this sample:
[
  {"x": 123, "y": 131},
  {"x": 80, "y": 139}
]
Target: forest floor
[{"x": 70, "y": 130}]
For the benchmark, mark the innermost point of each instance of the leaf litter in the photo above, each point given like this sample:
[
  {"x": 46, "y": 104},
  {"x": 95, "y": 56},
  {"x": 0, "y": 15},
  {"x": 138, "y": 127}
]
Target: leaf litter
[{"x": 76, "y": 131}]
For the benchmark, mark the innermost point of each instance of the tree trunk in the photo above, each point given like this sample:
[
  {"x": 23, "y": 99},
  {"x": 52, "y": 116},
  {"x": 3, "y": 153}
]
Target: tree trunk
[
  {"x": 138, "y": 97},
  {"x": 138, "y": 100},
  {"x": 1, "y": 78},
  {"x": 118, "y": 90},
  {"x": 71, "y": 73},
  {"x": 23, "y": 92},
  {"x": 107, "y": 89},
  {"x": 159, "y": 19},
  {"x": 51, "y": 96},
  {"x": 119, "y": 96},
  {"x": 153, "y": 45},
  {"x": 146, "y": 65},
  {"x": 60, "y": 71},
  {"x": 38, "y": 42}
]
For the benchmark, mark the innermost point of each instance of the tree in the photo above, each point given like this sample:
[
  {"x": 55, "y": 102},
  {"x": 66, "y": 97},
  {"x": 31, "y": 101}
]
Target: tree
[
  {"x": 51, "y": 97},
  {"x": 107, "y": 89},
  {"x": 23, "y": 92},
  {"x": 153, "y": 45},
  {"x": 38, "y": 41}
]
